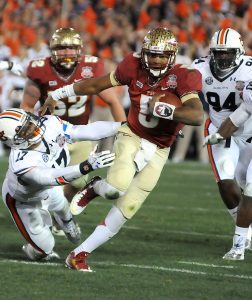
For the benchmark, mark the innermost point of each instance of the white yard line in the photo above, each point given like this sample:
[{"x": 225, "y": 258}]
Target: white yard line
[
  {"x": 205, "y": 265},
  {"x": 158, "y": 268}
]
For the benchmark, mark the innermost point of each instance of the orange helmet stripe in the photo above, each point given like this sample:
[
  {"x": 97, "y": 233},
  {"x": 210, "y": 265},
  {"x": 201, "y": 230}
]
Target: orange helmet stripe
[{"x": 222, "y": 36}]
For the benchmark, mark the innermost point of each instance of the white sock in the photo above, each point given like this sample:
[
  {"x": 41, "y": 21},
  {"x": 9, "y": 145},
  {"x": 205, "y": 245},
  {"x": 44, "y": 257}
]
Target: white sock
[
  {"x": 104, "y": 232},
  {"x": 249, "y": 233},
  {"x": 241, "y": 231},
  {"x": 233, "y": 212}
]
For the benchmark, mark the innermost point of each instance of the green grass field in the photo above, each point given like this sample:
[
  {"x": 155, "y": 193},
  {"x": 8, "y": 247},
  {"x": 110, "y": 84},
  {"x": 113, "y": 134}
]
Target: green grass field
[{"x": 172, "y": 249}]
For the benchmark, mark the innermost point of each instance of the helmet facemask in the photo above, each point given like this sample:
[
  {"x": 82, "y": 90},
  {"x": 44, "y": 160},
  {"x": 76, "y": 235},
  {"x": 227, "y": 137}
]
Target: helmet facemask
[
  {"x": 66, "y": 47},
  {"x": 160, "y": 43},
  {"x": 30, "y": 133}
]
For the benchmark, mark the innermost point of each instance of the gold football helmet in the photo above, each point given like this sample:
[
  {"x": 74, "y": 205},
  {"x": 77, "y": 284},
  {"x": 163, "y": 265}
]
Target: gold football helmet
[
  {"x": 65, "y": 38},
  {"x": 159, "y": 42}
]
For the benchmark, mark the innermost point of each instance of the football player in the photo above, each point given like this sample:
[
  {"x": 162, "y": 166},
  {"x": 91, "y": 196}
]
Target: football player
[
  {"x": 38, "y": 168},
  {"x": 228, "y": 128},
  {"x": 143, "y": 144},
  {"x": 67, "y": 65},
  {"x": 224, "y": 73}
]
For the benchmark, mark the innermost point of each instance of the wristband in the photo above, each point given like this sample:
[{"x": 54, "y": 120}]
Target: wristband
[
  {"x": 164, "y": 110},
  {"x": 66, "y": 91},
  {"x": 85, "y": 167}
]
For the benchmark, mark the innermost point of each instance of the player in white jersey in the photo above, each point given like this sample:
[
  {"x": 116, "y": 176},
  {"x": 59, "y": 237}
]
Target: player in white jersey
[
  {"x": 38, "y": 168},
  {"x": 244, "y": 174},
  {"x": 224, "y": 73}
]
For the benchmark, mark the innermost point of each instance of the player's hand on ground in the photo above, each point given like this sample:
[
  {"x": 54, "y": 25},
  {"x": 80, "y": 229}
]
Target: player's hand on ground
[
  {"x": 49, "y": 104},
  {"x": 212, "y": 139},
  {"x": 102, "y": 159}
]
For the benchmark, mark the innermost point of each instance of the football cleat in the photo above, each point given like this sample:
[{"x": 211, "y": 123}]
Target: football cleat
[
  {"x": 71, "y": 230},
  {"x": 234, "y": 254},
  {"x": 83, "y": 197},
  {"x": 35, "y": 255},
  {"x": 77, "y": 262},
  {"x": 238, "y": 249}
]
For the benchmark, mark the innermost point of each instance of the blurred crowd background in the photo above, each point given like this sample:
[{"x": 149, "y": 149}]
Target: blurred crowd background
[{"x": 111, "y": 29}]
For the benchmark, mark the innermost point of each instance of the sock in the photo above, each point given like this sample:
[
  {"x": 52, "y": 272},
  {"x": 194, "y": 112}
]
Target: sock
[
  {"x": 249, "y": 233},
  {"x": 64, "y": 213},
  {"x": 103, "y": 232},
  {"x": 241, "y": 231}
]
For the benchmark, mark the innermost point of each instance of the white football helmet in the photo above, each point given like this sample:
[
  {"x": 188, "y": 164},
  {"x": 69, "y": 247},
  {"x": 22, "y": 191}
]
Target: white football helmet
[
  {"x": 159, "y": 41},
  {"x": 226, "y": 49},
  {"x": 20, "y": 129}
]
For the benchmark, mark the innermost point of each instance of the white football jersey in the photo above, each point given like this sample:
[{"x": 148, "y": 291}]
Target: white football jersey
[
  {"x": 223, "y": 94},
  {"x": 51, "y": 153}
]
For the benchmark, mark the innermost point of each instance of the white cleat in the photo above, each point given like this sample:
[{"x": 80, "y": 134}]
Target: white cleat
[
  {"x": 238, "y": 249},
  {"x": 35, "y": 255},
  {"x": 234, "y": 254}
]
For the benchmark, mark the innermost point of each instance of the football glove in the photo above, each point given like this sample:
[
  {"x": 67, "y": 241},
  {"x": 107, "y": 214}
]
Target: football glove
[
  {"x": 101, "y": 159},
  {"x": 16, "y": 69},
  {"x": 212, "y": 139}
]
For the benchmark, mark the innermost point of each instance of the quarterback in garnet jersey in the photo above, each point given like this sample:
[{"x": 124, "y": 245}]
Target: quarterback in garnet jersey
[
  {"x": 143, "y": 144},
  {"x": 67, "y": 65},
  {"x": 179, "y": 80}
]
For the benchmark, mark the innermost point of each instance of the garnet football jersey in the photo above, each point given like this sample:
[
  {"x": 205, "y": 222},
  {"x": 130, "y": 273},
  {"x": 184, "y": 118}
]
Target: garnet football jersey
[
  {"x": 179, "y": 80},
  {"x": 75, "y": 109}
]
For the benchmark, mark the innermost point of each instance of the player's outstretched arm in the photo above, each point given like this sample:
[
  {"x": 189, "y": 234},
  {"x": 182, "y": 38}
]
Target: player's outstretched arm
[
  {"x": 83, "y": 87},
  {"x": 53, "y": 177}
]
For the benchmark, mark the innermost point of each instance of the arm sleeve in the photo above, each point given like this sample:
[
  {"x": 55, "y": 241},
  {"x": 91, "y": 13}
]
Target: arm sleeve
[
  {"x": 94, "y": 131},
  {"x": 51, "y": 177},
  {"x": 241, "y": 114}
]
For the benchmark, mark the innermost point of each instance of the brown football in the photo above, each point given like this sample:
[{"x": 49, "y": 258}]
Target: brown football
[{"x": 171, "y": 98}]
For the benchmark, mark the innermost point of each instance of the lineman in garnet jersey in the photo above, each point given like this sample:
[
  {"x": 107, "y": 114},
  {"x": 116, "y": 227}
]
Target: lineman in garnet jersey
[
  {"x": 142, "y": 145},
  {"x": 224, "y": 73},
  {"x": 38, "y": 167},
  {"x": 65, "y": 66}
]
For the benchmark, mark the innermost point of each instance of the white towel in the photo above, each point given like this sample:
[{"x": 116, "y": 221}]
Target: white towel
[{"x": 144, "y": 155}]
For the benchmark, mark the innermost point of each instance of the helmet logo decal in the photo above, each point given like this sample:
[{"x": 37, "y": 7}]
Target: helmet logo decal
[{"x": 2, "y": 137}]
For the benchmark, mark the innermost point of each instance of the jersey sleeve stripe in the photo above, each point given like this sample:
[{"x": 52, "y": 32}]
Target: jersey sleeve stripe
[
  {"x": 23, "y": 171},
  {"x": 61, "y": 180}
]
